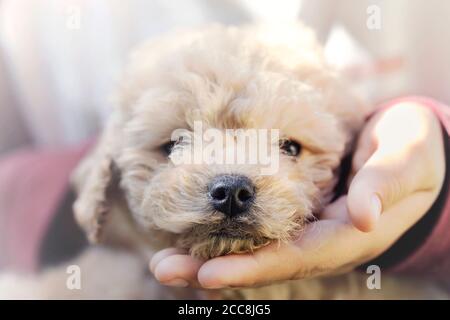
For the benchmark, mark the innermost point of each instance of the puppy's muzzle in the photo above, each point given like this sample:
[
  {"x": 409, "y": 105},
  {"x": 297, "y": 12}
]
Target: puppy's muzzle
[{"x": 231, "y": 194}]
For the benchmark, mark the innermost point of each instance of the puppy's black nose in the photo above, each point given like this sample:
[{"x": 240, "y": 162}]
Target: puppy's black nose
[{"x": 231, "y": 194}]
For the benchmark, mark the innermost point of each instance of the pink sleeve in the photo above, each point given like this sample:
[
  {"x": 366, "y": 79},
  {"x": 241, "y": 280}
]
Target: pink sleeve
[
  {"x": 432, "y": 256},
  {"x": 32, "y": 183}
]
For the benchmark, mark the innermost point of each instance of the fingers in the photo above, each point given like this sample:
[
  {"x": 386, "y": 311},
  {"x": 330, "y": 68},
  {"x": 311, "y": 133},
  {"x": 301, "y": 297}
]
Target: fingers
[
  {"x": 394, "y": 148},
  {"x": 324, "y": 247},
  {"x": 160, "y": 255},
  {"x": 370, "y": 188},
  {"x": 178, "y": 270},
  {"x": 272, "y": 263},
  {"x": 267, "y": 264},
  {"x": 173, "y": 267}
]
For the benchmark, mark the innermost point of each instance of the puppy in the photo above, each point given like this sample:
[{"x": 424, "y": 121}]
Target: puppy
[
  {"x": 134, "y": 193},
  {"x": 224, "y": 78}
]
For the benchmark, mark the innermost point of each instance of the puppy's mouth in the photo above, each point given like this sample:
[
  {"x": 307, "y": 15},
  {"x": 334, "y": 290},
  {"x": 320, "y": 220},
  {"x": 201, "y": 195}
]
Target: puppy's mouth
[{"x": 229, "y": 234}]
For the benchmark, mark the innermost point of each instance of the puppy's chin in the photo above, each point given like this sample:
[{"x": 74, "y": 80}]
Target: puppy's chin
[
  {"x": 219, "y": 245},
  {"x": 205, "y": 242}
]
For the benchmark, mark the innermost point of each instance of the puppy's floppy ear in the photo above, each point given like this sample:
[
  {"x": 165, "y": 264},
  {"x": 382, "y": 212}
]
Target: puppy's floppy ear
[{"x": 95, "y": 179}]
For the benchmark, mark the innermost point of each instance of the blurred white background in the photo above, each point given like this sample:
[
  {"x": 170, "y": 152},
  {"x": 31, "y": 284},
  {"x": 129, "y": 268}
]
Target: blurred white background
[{"x": 61, "y": 59}]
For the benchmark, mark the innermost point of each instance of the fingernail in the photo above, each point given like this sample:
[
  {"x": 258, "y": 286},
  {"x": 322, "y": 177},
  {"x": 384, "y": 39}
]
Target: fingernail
[
  {"x": 376, "y": 206},
  {"x": 177, "y": 283}
]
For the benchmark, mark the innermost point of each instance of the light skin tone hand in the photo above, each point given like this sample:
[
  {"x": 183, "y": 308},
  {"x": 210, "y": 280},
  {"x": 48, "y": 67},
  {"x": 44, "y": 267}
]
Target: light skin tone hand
[{"x": 398, "y": 169}]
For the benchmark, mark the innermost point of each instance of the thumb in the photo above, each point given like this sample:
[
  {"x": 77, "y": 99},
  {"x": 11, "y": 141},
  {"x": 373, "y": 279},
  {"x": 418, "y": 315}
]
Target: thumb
[
  {"x": 382, "y": 181},
  {"x": 395, "y": 169}
]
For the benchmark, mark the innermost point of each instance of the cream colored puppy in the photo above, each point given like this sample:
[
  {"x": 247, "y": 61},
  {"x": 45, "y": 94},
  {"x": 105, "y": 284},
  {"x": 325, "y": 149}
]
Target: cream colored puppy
[{"x": 224, "y": 78}]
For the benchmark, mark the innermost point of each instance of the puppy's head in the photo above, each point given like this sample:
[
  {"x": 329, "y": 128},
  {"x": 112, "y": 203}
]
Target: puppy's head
[{"x": 211, "y": 80}]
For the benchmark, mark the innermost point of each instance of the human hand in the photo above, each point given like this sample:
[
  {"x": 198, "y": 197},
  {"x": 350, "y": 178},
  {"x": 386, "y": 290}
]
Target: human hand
[{"x": 398, "y": 169}]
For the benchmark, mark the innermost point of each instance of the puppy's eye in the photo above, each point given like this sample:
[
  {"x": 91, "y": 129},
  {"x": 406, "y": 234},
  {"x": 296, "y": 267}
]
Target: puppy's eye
[
  {"x": 290, "y": 147},
  {"x": 166, "y": 148}
]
